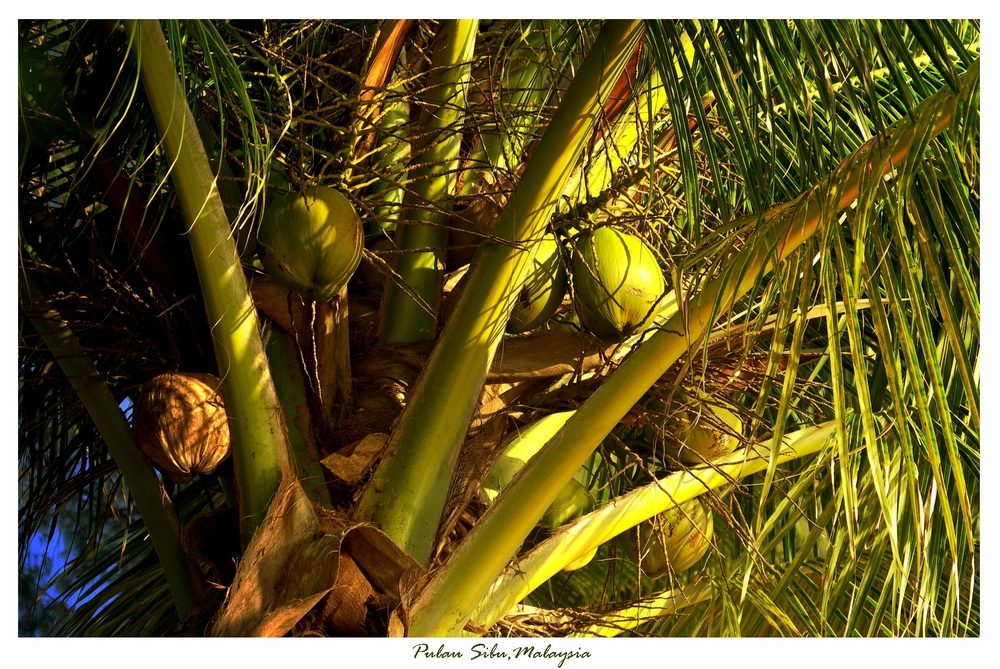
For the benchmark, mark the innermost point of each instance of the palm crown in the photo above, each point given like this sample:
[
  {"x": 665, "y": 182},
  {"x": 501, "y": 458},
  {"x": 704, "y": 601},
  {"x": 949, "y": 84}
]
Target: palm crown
[{"x": 809, "y": 190}]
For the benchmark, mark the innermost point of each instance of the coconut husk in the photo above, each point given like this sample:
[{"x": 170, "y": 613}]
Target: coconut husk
[
  {"x": 180, "y": 422},
  {"x": 292, "y": 564}
]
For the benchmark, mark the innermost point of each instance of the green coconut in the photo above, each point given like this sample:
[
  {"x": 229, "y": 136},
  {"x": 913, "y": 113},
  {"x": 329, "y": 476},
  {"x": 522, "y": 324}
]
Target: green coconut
[
  {"x": 617, "y": 283},
  {"x": 573, "y": 499},
  {"x": 311, "y": 242},
  {"x": 700, "y": 437},
  {"x": 699, "y": 434},
  {"x": 543, "y": 290},
  {"x": 572, "y": 502},
  {"x": 672, "y": 541}
]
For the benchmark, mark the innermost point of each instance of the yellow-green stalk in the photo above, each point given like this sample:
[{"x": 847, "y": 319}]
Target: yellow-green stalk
[
  {"x": 423, "y": 237},
  {"x": 619, "y": 621},
  {"x": 290, "y": 385},
  {"x": 521, "y": 100},
  {"x": 390, "y": 158},
  {"x": 620, "y": 142},
  {"x": 256, "y": 425},
  {"x": 407, "y": 493},
  {"x": 625, "y": 512}
]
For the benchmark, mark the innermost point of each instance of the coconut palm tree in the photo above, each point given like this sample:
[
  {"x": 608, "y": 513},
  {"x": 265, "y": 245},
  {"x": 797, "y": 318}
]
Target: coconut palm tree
[{"x": 747, "y": 402}]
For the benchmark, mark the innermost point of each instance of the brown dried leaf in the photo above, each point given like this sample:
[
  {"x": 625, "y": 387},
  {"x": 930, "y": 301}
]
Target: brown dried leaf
[
  {"x": 353, "y": 468},
  {"x": 294, "y": 560},
  {"x": 383, "y": 563},
  {"x": 288, "y": 567}
]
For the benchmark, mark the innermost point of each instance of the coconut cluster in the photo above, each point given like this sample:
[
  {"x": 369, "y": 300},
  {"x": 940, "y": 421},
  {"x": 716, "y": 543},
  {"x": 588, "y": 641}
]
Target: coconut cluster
[{"x": 617, "y": 283}]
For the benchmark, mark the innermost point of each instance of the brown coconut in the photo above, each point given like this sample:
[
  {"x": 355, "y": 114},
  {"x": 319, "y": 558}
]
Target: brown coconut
[{"x": 180, "y": 423}]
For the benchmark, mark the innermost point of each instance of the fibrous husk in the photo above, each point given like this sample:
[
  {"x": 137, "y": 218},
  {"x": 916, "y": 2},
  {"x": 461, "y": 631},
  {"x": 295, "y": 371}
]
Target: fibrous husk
[
  {"x": 181, "y": 424},
  {"x": 308, "y": 570}
]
